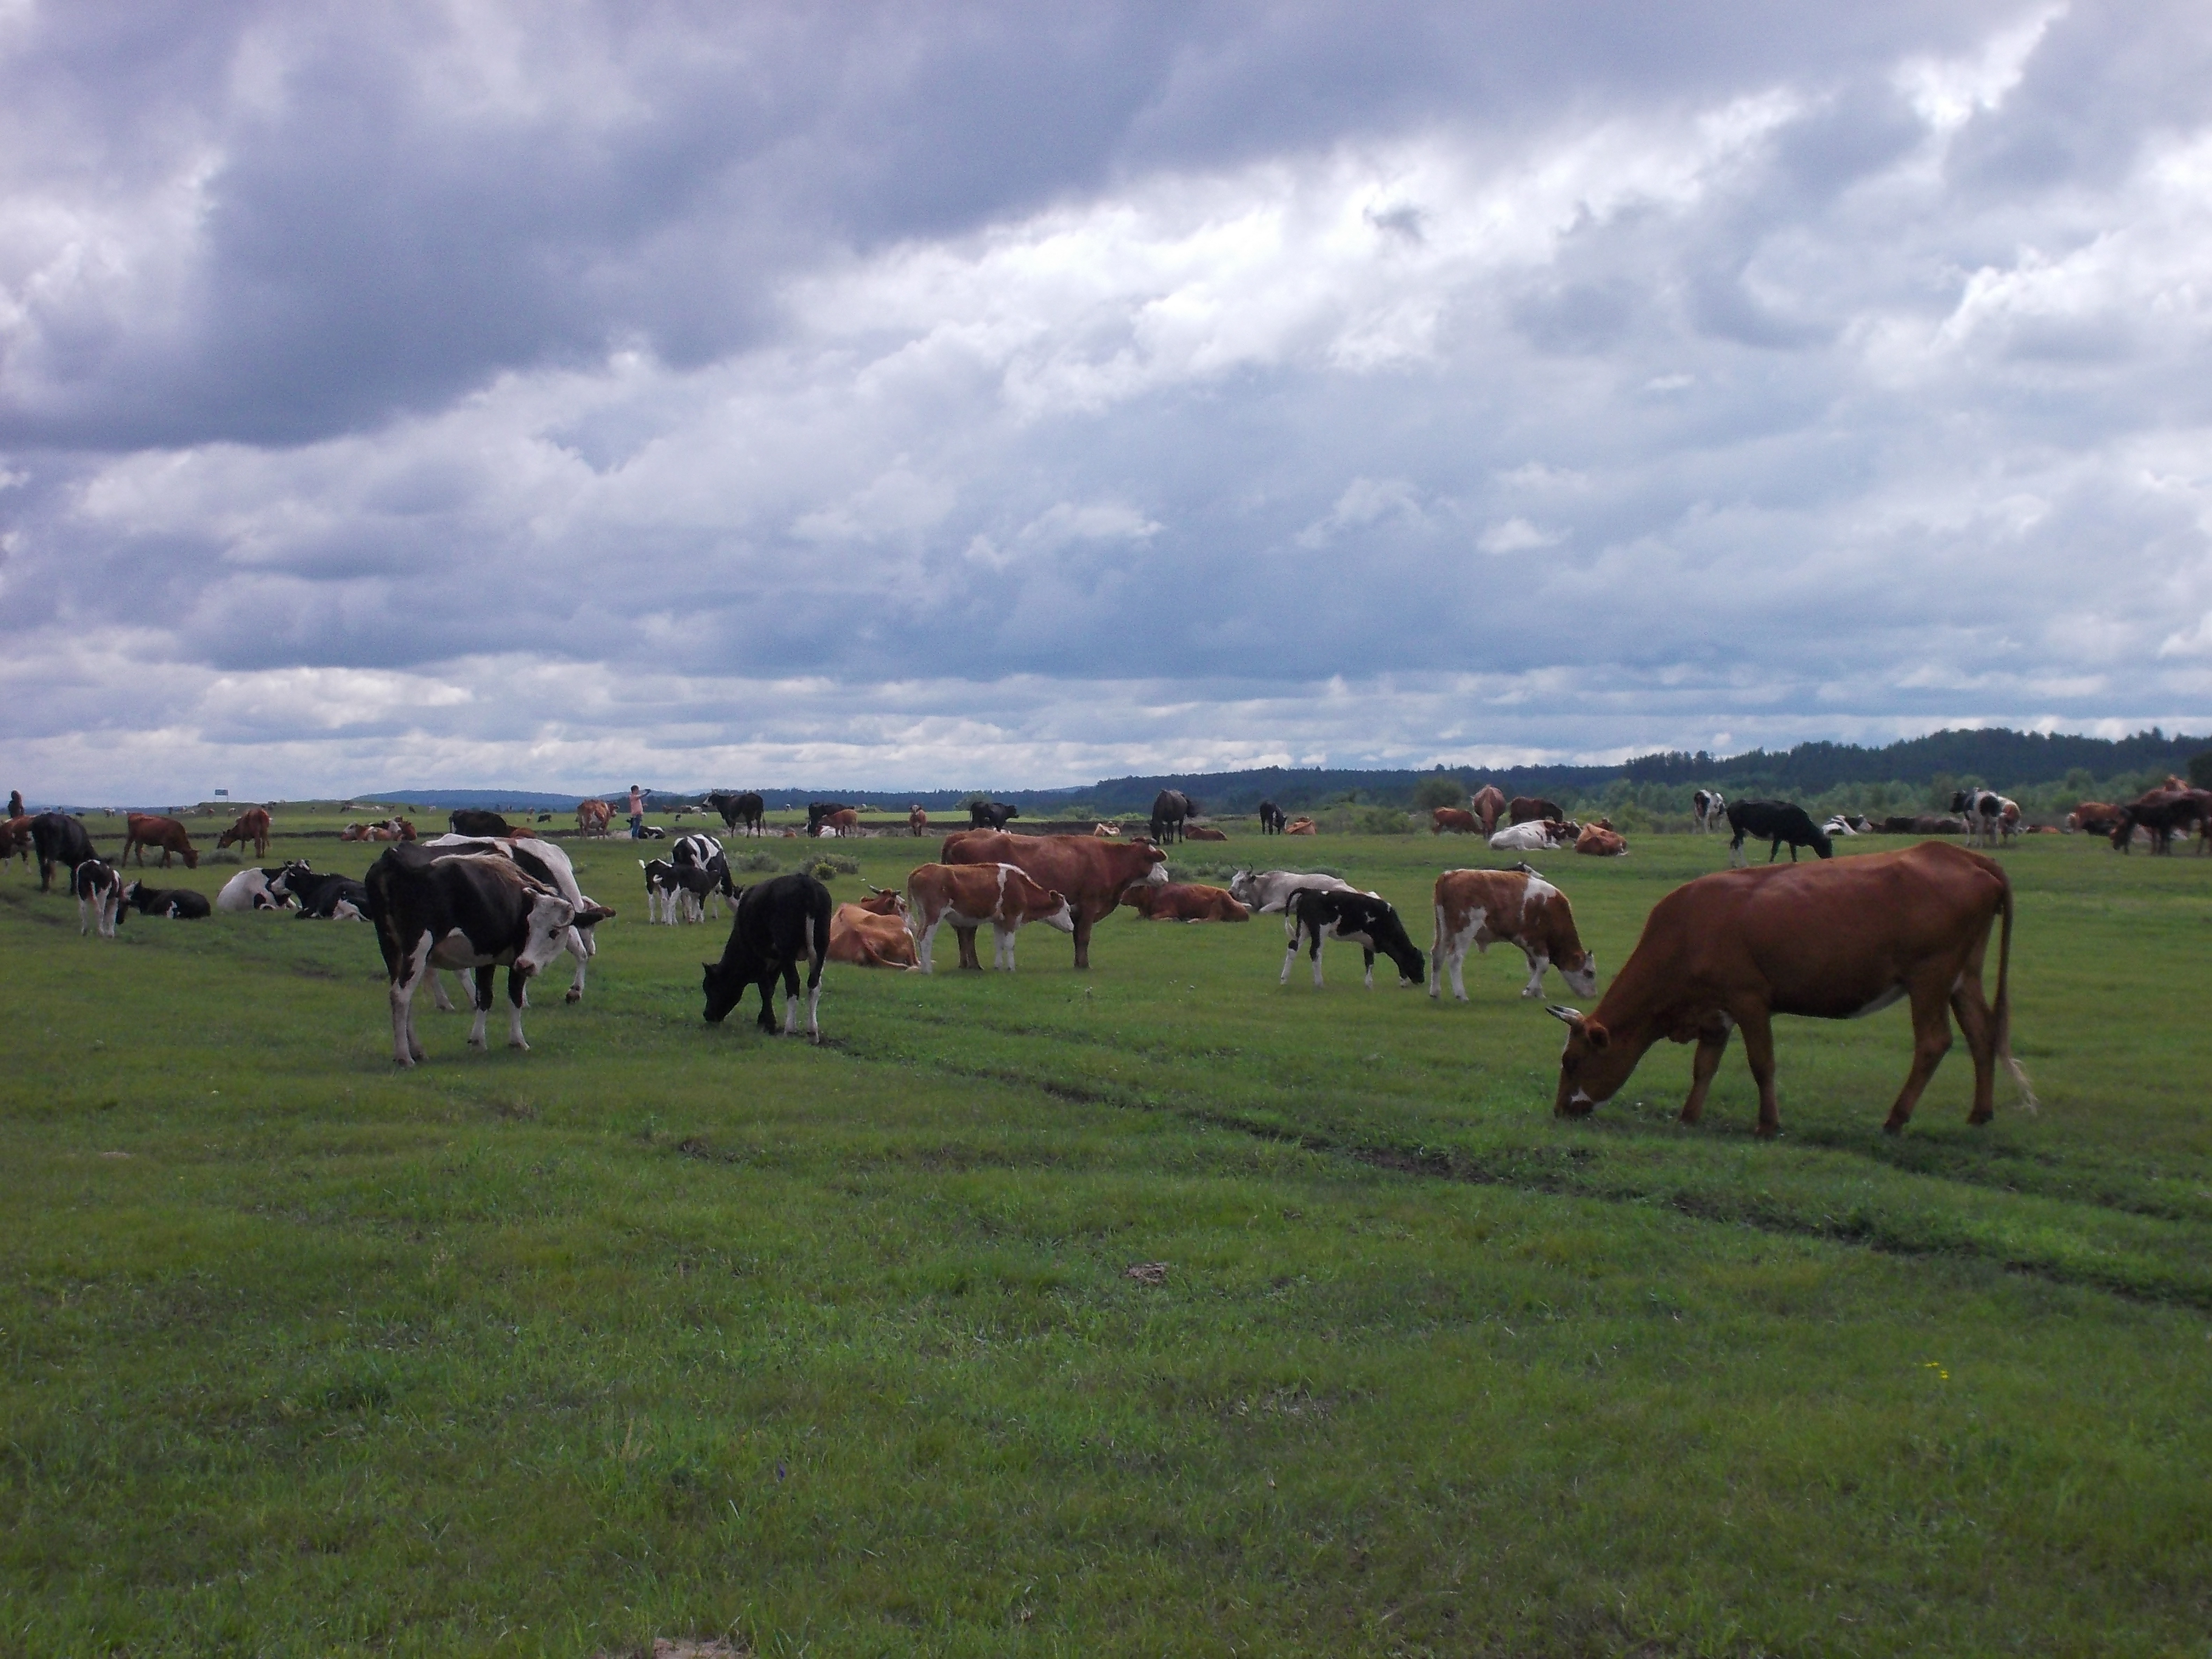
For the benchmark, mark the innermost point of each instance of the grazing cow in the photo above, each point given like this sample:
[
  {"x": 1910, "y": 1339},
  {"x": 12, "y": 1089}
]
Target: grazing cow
[
  {"x": 460, "y": 911},
  {"x": 1271, "y": 819},
  {"x": 594, "y": 817},
  {"x": 1457, "y": 819},
  {"x": 549, "y": 865},
  {"x": 1182, "y": 901},
  {"x": 1599, "y": 841},
  {"x": 1300, "y": 827},
  {"x": 917, "y": 821},
  {"x": 778, "y": 922},
  {"x": 1488, "y": 805},
  {"x": 1171, "y": 810},
  {"x": 1482, "y": 907},
  {"x": 1986, "y": 814},
  {"x": 1203, "y": 832},
  {"x": 1002, "y": 896},
  {"x": 1830, "y": 941},
  {"x": 1530, "y": 809},
  {"x": 1316, "y": 913},
  {"x": 2160, "y": 812},
  {"x": 1090, "y": 873},
  {"x": 1707, "y": 808},
  {"x": 2094, "y": 817},
  {"x": 249, "y": 890},
  {"x": 175, "y": 903},
  {"x": 990, "y": 814},
  {"x": 253, "y": 825},
  {"x": 872, "y": 932},
  {"x": 1778, "y": 821},
  {"x": 59, "y": 839},
  {"x": 1107, "y": 831},
  {"x": 98, "y": 888},
  {"x": 471, "y": 821},
  {"x": 146, "y": 829},
  {"x": 747, "y": 809},
  {"x": 1536, "y": 836},
  {"x": 817, "y": 811}
]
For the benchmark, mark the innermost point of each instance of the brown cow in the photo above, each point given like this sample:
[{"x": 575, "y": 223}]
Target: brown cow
[
  {"x": 1488, "y": 803},
  {"x": 1182, "y": 901},
  {"x": 1091, "y": 872},
  {"x": 1830, "y": 940},
  {"x": 1199, "y": 832},
  {"x": 145, "y": 829},
  {"x": 842, "y": 822},
  {"x": 253, "y": 825},
  {"x": 1299, "y": 827},
  {"x": 970, "y": 895},
  {"x": 917, "y": 821},
  {"x": 1457, "y": 819},
  {"x": 872, "y": 933},
  {"x": 1525, "y": 809},
  {"x": 1599, "y": 841},
  {"x": 15, "y": 838},
  {"x": 1107, "y": 831},
  {"x": 2093, "y": 818},
  {"x": 1483, "y": 907},
  {"x": 593, "y": 817}
]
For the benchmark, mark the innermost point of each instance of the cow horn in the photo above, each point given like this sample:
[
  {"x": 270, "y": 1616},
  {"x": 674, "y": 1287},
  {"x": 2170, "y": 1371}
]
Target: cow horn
[{"x": 1566, "y": 1015}]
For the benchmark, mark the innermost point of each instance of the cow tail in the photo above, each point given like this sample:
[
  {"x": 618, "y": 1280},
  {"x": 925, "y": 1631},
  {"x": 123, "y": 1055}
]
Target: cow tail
[{"x": 2001, "y": 1014}]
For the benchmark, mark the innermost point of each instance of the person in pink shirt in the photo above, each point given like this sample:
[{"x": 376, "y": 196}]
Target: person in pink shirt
[{"x": 636, "y": 812}]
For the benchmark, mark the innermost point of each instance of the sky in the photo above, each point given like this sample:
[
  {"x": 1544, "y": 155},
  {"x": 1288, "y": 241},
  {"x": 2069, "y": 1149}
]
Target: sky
[{"x": 564, "y": 395}]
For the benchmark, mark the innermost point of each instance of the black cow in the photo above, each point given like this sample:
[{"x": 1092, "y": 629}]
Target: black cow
[
  {"x": 747, "y": 809},
  {"x": 1365, "y": 919},
  {"x": 58, "y": 839},
  {"x": 1170, "y": 807},
  {"x": 176, "y": 903},
  {"x": 778, "y": 922},
  {"x": 460, "y": 911},
  {"x": 98, "y": 889},
  {"x": 1778, "y": 821},
  {"x": 1272, "y": 819},
  {"x": 322, "y": 898},
  {"x": 470, "y": 821},
  {"x": 990, "y": 814},
  {"x": 2161, "y": 811}
]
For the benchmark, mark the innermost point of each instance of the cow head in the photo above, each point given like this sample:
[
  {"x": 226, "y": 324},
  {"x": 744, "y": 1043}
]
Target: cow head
[
  {"x": 280, "y": 885},
  {"x": 551, "y": 916},
  {"x": 723, "y": 985},
  {"x": 1581, "y": 977},
  {"x": 1592, "y": 1066},
  {"x": 1062, "y": 917}
]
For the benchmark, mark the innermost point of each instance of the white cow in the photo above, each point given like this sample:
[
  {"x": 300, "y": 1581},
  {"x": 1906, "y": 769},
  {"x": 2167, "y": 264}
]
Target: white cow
[
  {"x": 1268, "y": 892},
  {"x": 1537, "y": 836},
  {"x": 249, "y": 890}
]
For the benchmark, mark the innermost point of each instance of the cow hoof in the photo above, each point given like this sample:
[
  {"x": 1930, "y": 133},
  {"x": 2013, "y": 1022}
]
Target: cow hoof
[
  {"x": 574, "y": 996},
  {"x": 1766, "y": 1131},
  {"x": 518, "y": 1043}
]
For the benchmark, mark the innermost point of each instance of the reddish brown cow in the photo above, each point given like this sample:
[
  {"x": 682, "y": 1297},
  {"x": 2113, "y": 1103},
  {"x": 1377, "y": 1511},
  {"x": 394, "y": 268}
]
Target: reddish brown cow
[
  {"x": 1182, "y": 901},
  {"x": 144, "y": 829},
  {"x": 15, "y": 838},
  {"x": 1483, "y": 908},
  {"x": 593, "y": 817},
  {"x": 917, "y": 821},
  {"x": 1457, "y": 819},
  {"x": 872, "y": 933},
  {"x": 1599, "y": 841},
  {"x": 1525, "y": 809},
  {"x": 1199, "y": 832},
  {"x": 1299, "y": 827},
  {"x": 1830, "y": 940},
  {"x": 1488, "y": 804},
  {"x": 2093, "y": 818},
  {"x": 1092, "y": 873},
  {"x": 842, "y": 822},
  {"x": 253, "y": 825},
  {"x": 970, "y": 895}
]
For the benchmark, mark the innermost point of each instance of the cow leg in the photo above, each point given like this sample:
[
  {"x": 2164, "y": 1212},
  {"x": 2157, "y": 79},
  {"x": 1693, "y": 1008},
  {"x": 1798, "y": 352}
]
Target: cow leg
[
  {"x": 406, "y": 1047},
  {"x": 1082, "y": 940},
  {"x": 518, "y": 999},
  {"x": 922, "y": 941},
  {"x": 1289, "y": 955},
  {"x": 1712, "y": 1043},
  {"x": 1736, "y": 854},
  {"x": 438, "y": 998},
  {"x": 967, "y": 938},
  {"x": 480, "y": 999},
  {"x": 1319, "y": 933},
  {"x": 1002, "y": 948},
  {"x": 1759, "y": 1049},
  {"x": 790, "y": 996},
  {"x": 1538, "y": 961},
  {"x": 1440, "y": 954},
  {"x": 1369, "y": 952},
  {"x": 1931, "y": 1041}
]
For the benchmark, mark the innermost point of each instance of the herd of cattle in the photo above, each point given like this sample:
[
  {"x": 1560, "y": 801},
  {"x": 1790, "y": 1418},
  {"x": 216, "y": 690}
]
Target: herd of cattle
[{"x": 1722, "y": 952}]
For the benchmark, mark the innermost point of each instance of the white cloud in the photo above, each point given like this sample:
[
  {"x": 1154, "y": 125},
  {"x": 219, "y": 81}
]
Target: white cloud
[{"x": 1518, "y": 536}]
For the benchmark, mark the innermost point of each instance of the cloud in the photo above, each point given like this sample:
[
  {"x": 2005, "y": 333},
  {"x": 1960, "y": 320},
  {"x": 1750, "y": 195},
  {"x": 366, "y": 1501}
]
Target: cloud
[{"x": 1516, "y": 536}]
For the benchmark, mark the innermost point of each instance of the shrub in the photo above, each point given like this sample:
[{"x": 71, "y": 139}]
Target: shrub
[
  {"x": 1380, "y": 821},
  {"x": 755, "y": 861},
  {"x": 1438, "y": 789}
]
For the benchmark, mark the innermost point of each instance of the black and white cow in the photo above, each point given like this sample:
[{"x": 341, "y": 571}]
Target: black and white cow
[
  {"x": 60, "y": 840},
  {"x": 175, "y": 903},
  {"x": 461, "y": 911},
  {"x": 546, "y": 862},
  {"x": 1989, "y": 817},
  {"x": 322, "y": 898},
  {"x": 98, "y": 889},
  {"x": 249, "y": 890},
  {"x": 1707, "y": 808},
  {"x": 778, "y": 922},
  {"x": 1316, "y": 913},
  {"x": 681, "y": 892},
  {"x": 1778, "y": 821}
]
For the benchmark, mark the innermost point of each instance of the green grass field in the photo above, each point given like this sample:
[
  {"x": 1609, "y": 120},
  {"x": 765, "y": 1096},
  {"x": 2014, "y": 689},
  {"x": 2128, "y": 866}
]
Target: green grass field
[{"x": 666, "y": 1329}]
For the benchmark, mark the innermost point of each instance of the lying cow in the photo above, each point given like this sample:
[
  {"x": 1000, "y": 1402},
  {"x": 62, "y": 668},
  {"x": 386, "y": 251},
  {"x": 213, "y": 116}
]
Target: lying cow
[
  {"x": 1001, "y": 897},
  {"x": 478, "y": 823},
  {"x": 1203, "y": 832},
  {"x": 253, "y": 825},
  {"x": 1107, "y": 831},
  {"x": 1316, "y": 913},
  {"x": 1182, "y": 901},
  {"x": 460, "y": 911},
  {"x": 320, "y": 898},
  {"x": 1601, "y": 841},
  {"x": 174, "y": 903},
  {"x": 1482, "y": 908},
  {"x": 249, "y": 890},
  {"x": 1299, "y": 827},
  {"x": 1831, "y": 941},
  {"x": 1536, "y": 836},
  {"x": 145, "y": 829},
  {"x": 98, "y": 889},
  {"x": 779, "y": 921},
  {"x": 872, "y": 932},
  {"x": 1268, "y": 892},
  {"x": 1778, "y": 821}
]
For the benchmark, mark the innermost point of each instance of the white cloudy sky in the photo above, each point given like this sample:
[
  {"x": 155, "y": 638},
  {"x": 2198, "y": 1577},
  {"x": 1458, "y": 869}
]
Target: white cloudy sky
[{"x": 546, "y": 394}]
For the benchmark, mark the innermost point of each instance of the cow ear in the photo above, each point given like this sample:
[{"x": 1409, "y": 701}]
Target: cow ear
[{"x": 1596, "y": 1035}]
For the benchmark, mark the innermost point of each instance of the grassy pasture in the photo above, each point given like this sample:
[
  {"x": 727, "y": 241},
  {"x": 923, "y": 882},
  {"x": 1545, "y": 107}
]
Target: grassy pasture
[{"x": 666, "y": 1329}]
